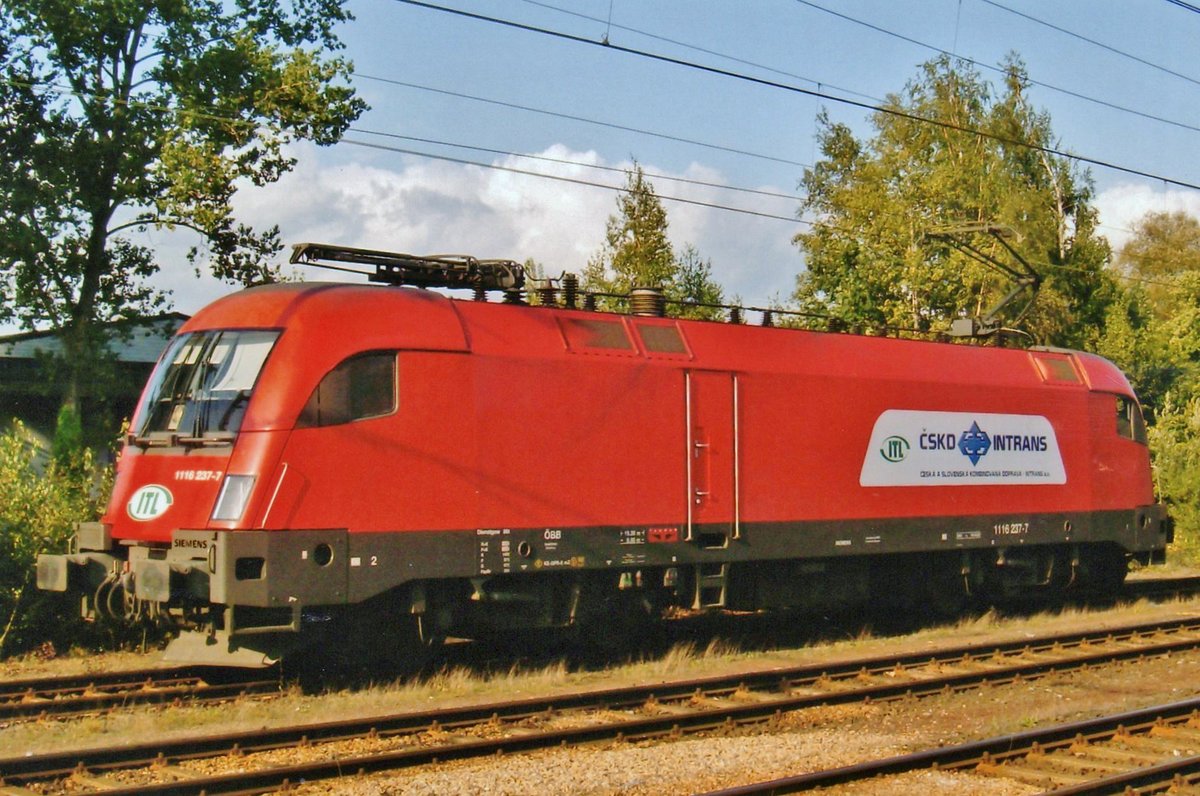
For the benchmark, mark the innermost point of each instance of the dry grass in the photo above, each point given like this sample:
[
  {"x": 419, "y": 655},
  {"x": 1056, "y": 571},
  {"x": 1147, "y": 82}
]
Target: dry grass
[{"x": 459, "y": 686}]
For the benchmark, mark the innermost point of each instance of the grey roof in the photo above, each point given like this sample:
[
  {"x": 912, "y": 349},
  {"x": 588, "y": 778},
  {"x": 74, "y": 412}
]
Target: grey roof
[{"x": 132, "y": 341}]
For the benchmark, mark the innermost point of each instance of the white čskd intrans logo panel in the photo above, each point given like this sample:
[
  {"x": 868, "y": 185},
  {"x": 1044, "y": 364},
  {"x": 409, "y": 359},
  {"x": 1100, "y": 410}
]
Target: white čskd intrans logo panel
[{"x": 910, "y": 448}]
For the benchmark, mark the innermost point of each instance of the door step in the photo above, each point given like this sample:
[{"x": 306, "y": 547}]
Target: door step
[{"x": 712, "y": 582}]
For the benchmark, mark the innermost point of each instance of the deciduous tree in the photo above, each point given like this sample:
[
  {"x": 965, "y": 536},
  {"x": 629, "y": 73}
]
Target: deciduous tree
[
  {"x": 1164, "y": 248},
  {"x": 122, "y": 114},
  {"x": 874, "y": 255}
]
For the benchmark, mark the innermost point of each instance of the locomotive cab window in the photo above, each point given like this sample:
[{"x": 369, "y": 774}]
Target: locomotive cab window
[
  {"x": 1130, "y": 423},
  {"x": 202, "y": 385},
  {"x": 360, "y": 387}
]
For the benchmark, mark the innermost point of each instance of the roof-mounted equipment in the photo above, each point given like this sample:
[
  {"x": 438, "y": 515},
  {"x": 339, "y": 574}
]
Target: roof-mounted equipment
[
  {"x": 435, "y": 270},
  {"x": 1022, "y": 274}
]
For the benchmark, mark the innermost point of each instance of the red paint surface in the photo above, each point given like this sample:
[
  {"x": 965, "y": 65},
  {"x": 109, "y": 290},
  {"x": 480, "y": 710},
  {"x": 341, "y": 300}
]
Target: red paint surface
[{"x": 503, "y": 423}]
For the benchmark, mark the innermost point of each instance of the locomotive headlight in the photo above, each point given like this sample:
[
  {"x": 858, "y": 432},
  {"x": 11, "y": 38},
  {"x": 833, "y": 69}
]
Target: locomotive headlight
[{"x": 231, "y": 502}]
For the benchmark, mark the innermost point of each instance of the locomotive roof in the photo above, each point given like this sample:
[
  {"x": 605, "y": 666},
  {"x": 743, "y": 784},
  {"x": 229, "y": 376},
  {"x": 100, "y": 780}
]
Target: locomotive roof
[{"x": 326, "y": 322}]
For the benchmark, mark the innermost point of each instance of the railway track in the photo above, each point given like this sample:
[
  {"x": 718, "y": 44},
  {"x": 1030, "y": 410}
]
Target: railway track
[
  {"x": 662, "y": 710},
  {"x": 74, "y": 695},
  {"x": 1151, "y": 750},
  {"x": 1161, "y": 588}
]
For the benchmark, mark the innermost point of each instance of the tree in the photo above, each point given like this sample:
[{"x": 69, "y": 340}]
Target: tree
[
  {"x": 129, "y": 114},
  {"x": 1164, "y": 247},
  {"x": 1152, "y": 328},
  {"x": 694, "y": 286},
  {"x": 875, "y": 255},
  {"x": 637, "y": 253},
  {"x": 1153, "y": 333},
  {"x": 636, "y": 250},
  {"x": 40, "y": 502}
]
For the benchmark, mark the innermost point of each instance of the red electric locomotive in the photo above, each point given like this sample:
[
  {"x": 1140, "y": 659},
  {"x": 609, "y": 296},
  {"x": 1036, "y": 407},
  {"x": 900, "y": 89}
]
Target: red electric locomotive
[{"x": 392, "y": 464}]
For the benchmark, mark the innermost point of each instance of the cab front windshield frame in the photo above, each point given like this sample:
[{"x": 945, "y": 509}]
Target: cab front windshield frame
[{"x": 202, "y": 385}]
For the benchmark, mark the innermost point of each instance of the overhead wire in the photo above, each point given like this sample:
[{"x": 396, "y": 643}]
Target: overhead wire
[
  {"x": 580, "y": 163},
  {"x": 584, "y": 119},
  {"x": 698, "y": 48},
  {"x": 224, "y": 118},
  {"x": 1091, "y": 41},
  {"x": 1059, "y": 89},
  {"x": 884, "y": 109},
  {"x": 571, "y": 180},
  {"x": 462, "y": 161},
  {"x": 886, "y": 31}
]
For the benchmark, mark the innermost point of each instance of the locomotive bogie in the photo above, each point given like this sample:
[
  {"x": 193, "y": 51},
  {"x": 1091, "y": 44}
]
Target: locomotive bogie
[{"x": 474, "y": 469}]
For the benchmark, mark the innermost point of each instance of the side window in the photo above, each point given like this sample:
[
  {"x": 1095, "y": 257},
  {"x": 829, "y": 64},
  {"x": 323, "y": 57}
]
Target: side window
[
  {"x": 1130, "y": 423},
  {"x": 360, "y": 387}
]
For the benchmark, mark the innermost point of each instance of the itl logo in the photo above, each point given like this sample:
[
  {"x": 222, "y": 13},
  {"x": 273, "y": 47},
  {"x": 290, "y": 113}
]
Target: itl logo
[
  {"x": 894, "y": 449},
  {"x": 149, "y": 503}
]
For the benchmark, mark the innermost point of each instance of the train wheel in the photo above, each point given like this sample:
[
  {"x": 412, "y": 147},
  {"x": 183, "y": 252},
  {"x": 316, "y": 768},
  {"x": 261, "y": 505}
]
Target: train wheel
[
  {"x": 1103, "y": 569},
  {"x": 614, "y": 622},
  {"x": 946, "y": 594},
  {"x": 375, "y": 639},
  {"x": 411, "y": 644}
]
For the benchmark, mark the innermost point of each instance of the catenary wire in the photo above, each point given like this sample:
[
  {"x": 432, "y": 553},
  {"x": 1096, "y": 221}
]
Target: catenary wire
[
  {"x": 1111, "y": 271},
  {"x": 584, "y": 119},
  {"x": 572, "y": 180},
  {"x": 713, "y": 70},
  {"x": 1068, "y": 92},
  {"x": 580, "y": 163},
  {"x": 756, "y": 65},
  {"x": 704, "y": 50},
  {"x": 217, "y": 117},
  {"x": 1093, "y": 42}
]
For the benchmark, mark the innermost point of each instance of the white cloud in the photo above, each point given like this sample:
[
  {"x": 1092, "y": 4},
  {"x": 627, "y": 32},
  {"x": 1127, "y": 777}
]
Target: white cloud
[
  {"x": 1121, "y": 207},
  {"x": 426, "y": 206}
]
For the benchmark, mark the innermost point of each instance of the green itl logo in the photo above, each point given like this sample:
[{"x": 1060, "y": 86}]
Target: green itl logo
[
  {"x": 894, "y": 449},
  {"x": 149, "y": 502}
]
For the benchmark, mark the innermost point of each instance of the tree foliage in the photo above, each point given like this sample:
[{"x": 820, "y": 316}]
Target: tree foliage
[
  {"x": 121, "y": 114},
  {"x": 1175, "y": 445},
  {"x": 1152, "y": 329},
  {"x": 1153, "y": 333},
  {"x": 874, "y": 255},
  {"x": 637, "y": 253},
  {"x": 40, "y": 501},
  {"x": 1164, "y": 248}
]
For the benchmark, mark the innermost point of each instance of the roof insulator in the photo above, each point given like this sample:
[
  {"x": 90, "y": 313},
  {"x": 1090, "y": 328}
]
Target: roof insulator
[{"x": 648, "y": 301}]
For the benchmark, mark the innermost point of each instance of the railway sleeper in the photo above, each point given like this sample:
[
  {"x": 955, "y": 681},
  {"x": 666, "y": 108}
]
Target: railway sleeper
[
  {"x": 1031, "y": 771},
  {"x": 1116, "y": 752}
]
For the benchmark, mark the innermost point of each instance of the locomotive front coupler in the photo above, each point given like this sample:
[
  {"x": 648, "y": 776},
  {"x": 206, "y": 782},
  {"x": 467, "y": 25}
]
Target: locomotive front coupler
[{"x": 89, "y": 564}]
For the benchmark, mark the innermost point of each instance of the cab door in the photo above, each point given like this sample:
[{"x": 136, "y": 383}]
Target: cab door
[{"x": 712, "y": 458}]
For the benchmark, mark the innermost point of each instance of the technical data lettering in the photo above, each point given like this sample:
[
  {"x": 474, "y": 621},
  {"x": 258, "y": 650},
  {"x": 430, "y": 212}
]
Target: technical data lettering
[
  {"x": 495, "y": 550},
  {"x": 916, "y": 448}
]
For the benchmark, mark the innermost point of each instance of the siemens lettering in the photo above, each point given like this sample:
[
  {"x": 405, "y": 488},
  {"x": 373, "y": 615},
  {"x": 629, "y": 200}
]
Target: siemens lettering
[
  {"x": 1017, "y": 442},
  {"x": 937, "y": 442}
]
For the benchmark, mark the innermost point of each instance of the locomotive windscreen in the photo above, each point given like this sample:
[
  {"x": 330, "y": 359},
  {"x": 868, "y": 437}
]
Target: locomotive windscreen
[{"x": 203, "y": 383}]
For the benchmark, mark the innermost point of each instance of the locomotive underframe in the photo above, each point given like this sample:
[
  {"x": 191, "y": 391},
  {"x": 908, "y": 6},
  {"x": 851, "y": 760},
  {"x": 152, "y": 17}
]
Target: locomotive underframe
[{"x": 255, "y": 594}]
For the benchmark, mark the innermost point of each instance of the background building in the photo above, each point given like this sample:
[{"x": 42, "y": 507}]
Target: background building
[{"x": 32, "y": 377}]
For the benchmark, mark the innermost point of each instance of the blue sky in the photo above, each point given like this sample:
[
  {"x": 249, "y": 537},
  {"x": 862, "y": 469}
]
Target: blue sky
[{"x": 358, "y": 195}]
